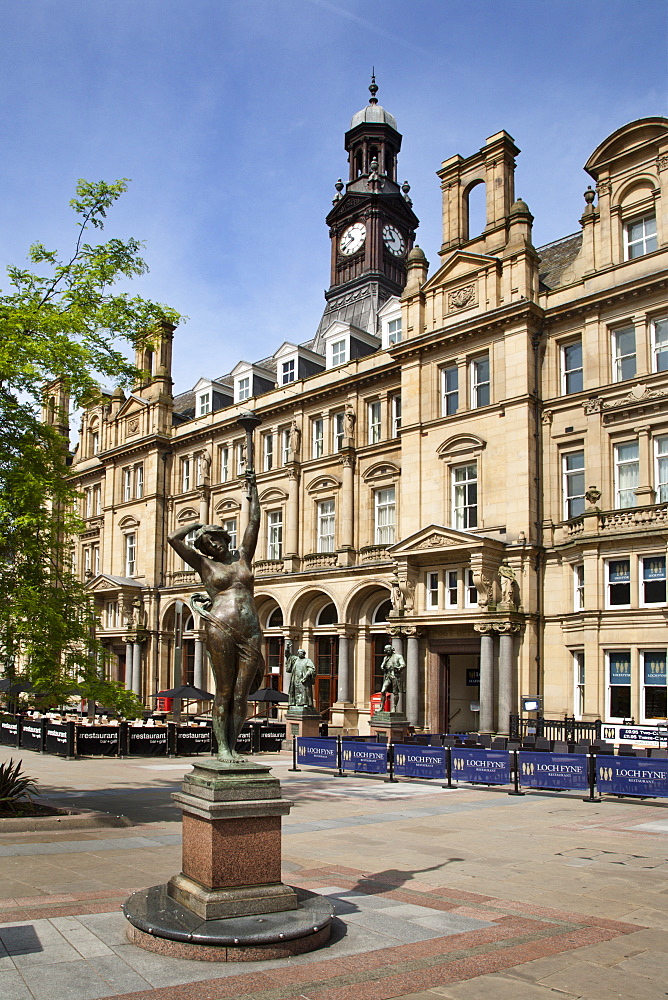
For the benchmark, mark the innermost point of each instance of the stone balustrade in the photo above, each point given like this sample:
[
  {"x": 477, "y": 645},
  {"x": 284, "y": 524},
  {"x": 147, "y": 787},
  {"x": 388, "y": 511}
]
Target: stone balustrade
[
  {"x": 616, "y": 521},
  {"x": 320, "y": 560}
]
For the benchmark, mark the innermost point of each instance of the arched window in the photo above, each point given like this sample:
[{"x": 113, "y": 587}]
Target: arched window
[
  {"x": 275, "y": 618},
  {"x": 328, "y": 615},
  {"x": 382, "y": 612},
  {"x": 475, "y": 209},
  {"x": 359, "y": 163}
]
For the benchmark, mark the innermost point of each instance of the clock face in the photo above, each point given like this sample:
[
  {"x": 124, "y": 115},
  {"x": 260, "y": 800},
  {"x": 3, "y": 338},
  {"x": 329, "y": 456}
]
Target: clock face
[
  {"x": 353, "y": 238},
  {"x": 394, "y": 241}
]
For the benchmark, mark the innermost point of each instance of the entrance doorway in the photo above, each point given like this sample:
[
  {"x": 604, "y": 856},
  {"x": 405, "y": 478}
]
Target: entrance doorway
[
  {"x": 460, "y": 692},
  {"x": 326, "y": 672}
]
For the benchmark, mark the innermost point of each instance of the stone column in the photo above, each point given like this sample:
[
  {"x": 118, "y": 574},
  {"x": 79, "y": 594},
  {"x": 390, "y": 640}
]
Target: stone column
[
  {"x": 505, "y": 692},
  {"x": 644, "y": 492},
  {"x": 343, "y": 692},
  {"x": 486, "y": 720},
  {"x": 412, "y": 679},
  {"x": 346, "y": 513},
  {"x": 128, "y": 666},
  {"x": 204, "y": 506},
  {"x": 198, "y": 673},
  {"x": 136, "y": 668},
  {"x": 292, "y": 517}
]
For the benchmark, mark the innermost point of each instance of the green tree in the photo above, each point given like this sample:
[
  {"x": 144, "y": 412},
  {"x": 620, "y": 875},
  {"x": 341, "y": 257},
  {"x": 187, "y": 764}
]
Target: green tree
[{"x": 68, "y": 322}]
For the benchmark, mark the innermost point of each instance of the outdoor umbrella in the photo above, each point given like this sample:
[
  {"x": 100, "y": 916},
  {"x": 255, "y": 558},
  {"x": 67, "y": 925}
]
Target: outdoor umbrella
[
  {"x": 268, "y": 695},
  {"x": 186, "y": 692},
  {"x": 15, "y": 687}
]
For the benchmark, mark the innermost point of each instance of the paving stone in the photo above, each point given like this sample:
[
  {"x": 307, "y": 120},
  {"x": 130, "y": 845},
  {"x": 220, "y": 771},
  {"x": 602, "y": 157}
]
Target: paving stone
[
  {"x": 73, "y": 981},
  {"x": 13, "y": 986}
]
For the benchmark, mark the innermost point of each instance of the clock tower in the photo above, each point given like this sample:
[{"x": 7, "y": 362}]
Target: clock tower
[{"x": 371, "y": 225}]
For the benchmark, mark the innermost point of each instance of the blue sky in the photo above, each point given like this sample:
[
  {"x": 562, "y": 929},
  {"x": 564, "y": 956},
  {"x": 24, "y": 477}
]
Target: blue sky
[{"x": 229, "y": 115}]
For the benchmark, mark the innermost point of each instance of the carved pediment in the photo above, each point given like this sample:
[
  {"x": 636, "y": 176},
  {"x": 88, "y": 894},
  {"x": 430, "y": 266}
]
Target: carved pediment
[
  {"x": 461, "y": 265},
  {"x": 132, "y": 405},
  {"x": 272, "y": 495},
  {"x": 104, "y": 583},
  {"x": 436, "y": 537},
  {"x": 323, "y": 484},
  {"x": 381, "y": 470}
]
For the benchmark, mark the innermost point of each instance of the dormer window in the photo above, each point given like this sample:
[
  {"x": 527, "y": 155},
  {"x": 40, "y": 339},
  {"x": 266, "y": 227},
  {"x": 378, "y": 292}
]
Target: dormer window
[
  {"x": 640, "y": 237},
  {"x": 339, "y": 353},
  {"x": 243, "y": 389},
  {"x": 394, "y": 331},
  {"x": 203, "y": 404},
  {"x": 389, "y": 318},
  {"x": 288, "y": 371}
]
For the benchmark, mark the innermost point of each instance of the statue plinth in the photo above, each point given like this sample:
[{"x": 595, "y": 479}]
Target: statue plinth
[
  {"x": 302, "y": 720},
  {"x": 231, "y": 839},
  {"x": 394, "y": 726},
  {"x": 229, "y": 903}
]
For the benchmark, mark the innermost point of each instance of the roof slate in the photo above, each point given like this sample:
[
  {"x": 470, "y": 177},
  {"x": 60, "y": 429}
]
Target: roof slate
[{"x": 556, "y": 257}]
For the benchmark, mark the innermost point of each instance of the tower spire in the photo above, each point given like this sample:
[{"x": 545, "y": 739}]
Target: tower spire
[{"x": 373, "y": 87}]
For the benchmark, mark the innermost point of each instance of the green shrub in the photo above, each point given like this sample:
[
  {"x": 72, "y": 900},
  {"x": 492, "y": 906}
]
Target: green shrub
[{"x": 14, "y": 784}]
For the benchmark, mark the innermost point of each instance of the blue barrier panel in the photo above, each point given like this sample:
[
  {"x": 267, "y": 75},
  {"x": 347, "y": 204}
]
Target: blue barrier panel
[
  {"x": 647, "y": 735},
  {"x": 368, "y": 757},
  {"x": 317, "y": 752},
  {"x": 553, "y": 770},
  {"x": 487, "y": 767},
  {"x": 414, "y": 761},
  {"x": 632, "y": 776}
]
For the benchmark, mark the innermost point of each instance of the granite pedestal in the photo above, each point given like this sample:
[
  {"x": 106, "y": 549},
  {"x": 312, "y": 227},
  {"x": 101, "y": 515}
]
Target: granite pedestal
[
  {"x": 301, "y": 720},
  {"x": 394, "y": 726},
  {"x": 229, "y": 894}
]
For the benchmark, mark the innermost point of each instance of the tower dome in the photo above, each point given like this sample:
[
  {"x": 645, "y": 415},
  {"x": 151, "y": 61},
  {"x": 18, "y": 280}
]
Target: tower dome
[{"x": 373, "y": 113}]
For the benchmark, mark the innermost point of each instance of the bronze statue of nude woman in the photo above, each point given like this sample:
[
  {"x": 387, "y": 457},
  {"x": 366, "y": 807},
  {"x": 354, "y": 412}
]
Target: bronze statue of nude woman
[{"x": 233, "y": 633}]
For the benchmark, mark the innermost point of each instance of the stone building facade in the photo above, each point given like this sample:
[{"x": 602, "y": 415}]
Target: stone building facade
[{"x": 471, "y": 464}]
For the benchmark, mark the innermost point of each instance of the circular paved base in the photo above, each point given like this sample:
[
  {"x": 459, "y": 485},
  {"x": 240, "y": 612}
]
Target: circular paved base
[{"x": 158, "y": 923}]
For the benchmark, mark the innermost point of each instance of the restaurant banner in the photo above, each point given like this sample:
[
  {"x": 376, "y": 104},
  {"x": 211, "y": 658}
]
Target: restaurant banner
[
  {"x": 632, "y": 776},
  {"x": 652, "y": 736},
  {"x": 317, "y": 751},
  {"x": 487, "y": 767},
  {"x": 32, "y": 734},
  {"x": 244, "y": 742},
  {"x": 191, "y": 740},
  {"x": 412, "y": 761},
  {"x": 98, "y": 741},
  {"x": 59, "y": 738},
  {"x": 269, "y": 738},
  {"x": 368, "y": 757},
  {"x": 147, "y": 741},
  {"x": 554, "y": 770},
  {"x": 9, "y": 730}
]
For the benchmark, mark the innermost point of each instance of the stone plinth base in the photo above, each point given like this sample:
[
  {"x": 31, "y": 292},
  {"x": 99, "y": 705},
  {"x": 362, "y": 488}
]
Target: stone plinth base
[
  {"x": 160, "y": 924},
  {"x": 393, "y": 725},
  {"x": 345, "y": 719},
  {"x": 238, "y": 902},
  {"x": 302, "y": 722},
  {"x": 228, "y": 903},
  {"x": 231, "y": 841}
]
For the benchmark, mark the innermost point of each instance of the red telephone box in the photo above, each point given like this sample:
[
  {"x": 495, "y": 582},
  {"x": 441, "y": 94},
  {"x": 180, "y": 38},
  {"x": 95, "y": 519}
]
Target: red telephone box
[
  {"x": 163, "y": 704},
  {"x": 377, "y": 702}
]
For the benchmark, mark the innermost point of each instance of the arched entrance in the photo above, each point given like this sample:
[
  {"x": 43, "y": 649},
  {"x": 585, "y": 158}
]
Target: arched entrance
[{"x": 326, "y": 659}]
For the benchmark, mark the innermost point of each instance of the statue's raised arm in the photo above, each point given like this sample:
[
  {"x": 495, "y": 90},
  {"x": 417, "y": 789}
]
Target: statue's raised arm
[
  {"x": 249, "y": 541},
  {"x": 177, "y": 539}
]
